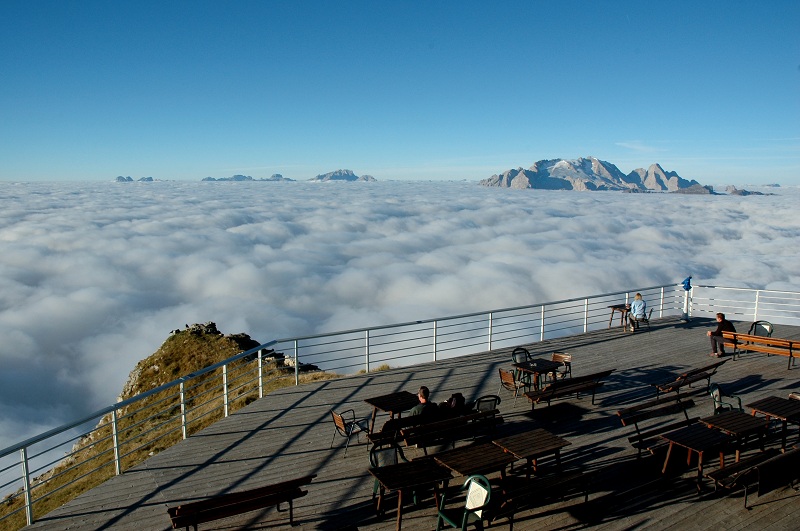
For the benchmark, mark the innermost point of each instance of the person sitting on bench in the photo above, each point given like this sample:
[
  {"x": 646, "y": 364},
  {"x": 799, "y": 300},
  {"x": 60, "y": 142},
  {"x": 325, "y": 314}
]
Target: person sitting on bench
[
  {"x": 425, "y": 409},
  {"x": 717, "y": 341}
]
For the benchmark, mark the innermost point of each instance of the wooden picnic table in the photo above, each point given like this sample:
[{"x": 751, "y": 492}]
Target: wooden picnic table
[
  {"x": 483, "y": 458},
  {"x": 408, "y": 475},
  {"x": 538, "y": 366},
  {"x": 533, "y": 444},
  {"x": 391, "y": 403},
  {"x": 699, "y": 439},
  {"x": 785, "y": 409},
  {"x": 739, "y": 425}
]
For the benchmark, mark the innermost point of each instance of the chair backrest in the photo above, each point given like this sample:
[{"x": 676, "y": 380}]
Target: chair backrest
[
  {"x": 487, "y": 403},
  {"x": 520, "y": 354},
  {"x": 562, "y": 357},
  {"x": 761, "y": 328},
  {"x": 478, "y": 494},
  {"x": 507, "y": 379},
  {"x": 716, "y": 395},
  {"x": 385, "y": 454},
  {"x": 339, "y": 421}
]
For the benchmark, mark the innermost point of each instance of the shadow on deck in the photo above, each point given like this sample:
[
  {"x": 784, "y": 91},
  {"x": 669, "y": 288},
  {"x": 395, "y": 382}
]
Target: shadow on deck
[{"x": 288, "y": 433}]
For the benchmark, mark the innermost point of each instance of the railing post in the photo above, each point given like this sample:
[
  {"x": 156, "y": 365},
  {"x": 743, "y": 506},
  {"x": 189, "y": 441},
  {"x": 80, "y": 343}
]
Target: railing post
[
  {"x": 585, "y": 315},
  {"x": 296, "y": 363},
  {"x": 261, "y": 373},
  {"x": 435, "y": 345},
  {"x": 115, "y": 442},
  {"x": 687, "y": 307},
  {"x": 541, "y": 325},
  {"x": 490, "y": 330},
  {"x": 183, "y": 410},
  {"x": 225, "y": 389},
  {"x": 755, "y": 310},
  {"x": 661, "y": 304},
  {"x": 26, "y": 484},
  {"x": 366, "y": 350}
]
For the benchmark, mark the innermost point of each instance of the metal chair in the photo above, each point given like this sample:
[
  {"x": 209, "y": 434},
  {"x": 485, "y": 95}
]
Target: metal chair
[
  {"x": 722, "y": 401},
  {"x": 566, "y": 359},
  {"x": 487, "y": 403},
  {"x": 643, "y": 319},
  {"x": 346, "y": 425},
  {"x": 510, "y": 383},
  {"x": 479, "y": 491},
  {"x": 380, "y": 455},
  {"x": 761, "y": 328},
  {"x": 519, "y": 355}
]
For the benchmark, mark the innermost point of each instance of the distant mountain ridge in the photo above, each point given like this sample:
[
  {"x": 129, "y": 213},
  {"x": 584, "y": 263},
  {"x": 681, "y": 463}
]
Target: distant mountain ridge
[
  {"x": 342, "y": 175},
  {"x": 238, "y": 178},
  {"x": 589, "y": 174}
]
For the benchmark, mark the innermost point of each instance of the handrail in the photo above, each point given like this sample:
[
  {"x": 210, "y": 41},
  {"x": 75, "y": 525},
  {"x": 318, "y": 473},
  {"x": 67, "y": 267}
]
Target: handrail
[{"x": 362, "y": 348}]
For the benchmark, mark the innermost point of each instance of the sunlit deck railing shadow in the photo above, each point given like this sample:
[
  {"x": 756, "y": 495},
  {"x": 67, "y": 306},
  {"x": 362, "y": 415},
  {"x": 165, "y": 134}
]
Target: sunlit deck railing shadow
[{"x": 45, "y": 471}]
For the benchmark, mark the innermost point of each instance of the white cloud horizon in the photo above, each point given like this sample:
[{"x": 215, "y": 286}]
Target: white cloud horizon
[{"x": 94, "y": 276}]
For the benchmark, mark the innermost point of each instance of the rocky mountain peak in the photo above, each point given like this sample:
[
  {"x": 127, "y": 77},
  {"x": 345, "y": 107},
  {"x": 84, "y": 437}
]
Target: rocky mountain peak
[{"x": 587, "y": 174}]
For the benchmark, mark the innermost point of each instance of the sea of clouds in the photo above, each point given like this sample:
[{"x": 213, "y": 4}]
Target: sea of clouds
[{"x": 94, "y": 276}]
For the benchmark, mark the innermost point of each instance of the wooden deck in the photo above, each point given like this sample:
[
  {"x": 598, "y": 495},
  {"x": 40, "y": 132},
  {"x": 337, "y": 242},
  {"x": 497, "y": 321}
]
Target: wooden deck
[{"x": 287, "y": 434}]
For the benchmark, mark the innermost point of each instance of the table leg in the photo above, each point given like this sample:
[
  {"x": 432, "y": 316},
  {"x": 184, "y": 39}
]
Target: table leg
[
  {"x": 372, "y": 423},
  {"x": 610, "y": 319},
  {"x": 784, "y": 429},
  {"x": 699, "y": 471},
  {"x": 436, "y": 495},
  {"x": 666, "y": 460},
  {"x": 399, "y": 509}
]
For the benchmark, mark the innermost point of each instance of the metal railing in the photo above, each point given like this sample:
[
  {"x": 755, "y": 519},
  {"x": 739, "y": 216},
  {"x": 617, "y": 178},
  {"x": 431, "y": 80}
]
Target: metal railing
[{"x": 55, "y": 466}]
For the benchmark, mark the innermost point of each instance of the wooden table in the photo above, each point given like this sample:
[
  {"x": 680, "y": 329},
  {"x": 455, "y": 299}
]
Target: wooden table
[
  {"x": 391, "y": 403},
  {"x": 538, "y": 366},
  {"x": 482, "y": 458},
  {"x": 403, "y": 476},
  {"x": 739, "y": 425},
  {"x": 532, "y": 445},
  {"x": 699, "y": 439},
  {"x": 623, "y": 310},
  {"x": 785, "y": 409}
]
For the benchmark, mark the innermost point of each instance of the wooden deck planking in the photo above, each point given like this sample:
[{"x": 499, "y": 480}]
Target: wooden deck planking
[{"x": 288, "y": 434}]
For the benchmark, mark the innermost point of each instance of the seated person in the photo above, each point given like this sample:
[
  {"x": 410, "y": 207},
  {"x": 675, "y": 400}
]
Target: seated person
[
  {"x": 636, "y": 311},
  {"x": 455, "y": 406},
  {"x": 716, "y": 336},
  {"x": 426, "y": 409}
]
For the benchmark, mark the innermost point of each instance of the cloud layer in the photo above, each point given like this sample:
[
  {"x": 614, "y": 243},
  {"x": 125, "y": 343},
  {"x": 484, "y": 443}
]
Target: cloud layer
[{"x": 93, "y": 277}]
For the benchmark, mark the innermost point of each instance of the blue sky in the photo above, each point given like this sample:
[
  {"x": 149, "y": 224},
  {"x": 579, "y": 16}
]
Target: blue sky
[{"x": 397, "y": 90}]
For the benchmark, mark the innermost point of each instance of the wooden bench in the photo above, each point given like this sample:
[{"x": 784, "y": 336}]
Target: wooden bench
[
  {"x": 766, "y": 471},
  {"x": 688, "y": 378},
  {"x": 390, "y": 431},
  {"x": 568, "y": 386},
  {"x": 769, "y": 345},
  {"x": 538, "y": 490},
  {"x": 647, "y": 437},
  {"x": 450, "y": 430},
  {"x": 230, "y": 504}
]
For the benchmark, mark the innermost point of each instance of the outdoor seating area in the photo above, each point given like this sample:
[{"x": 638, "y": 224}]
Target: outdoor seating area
[{"x": 622, "y": 459}]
